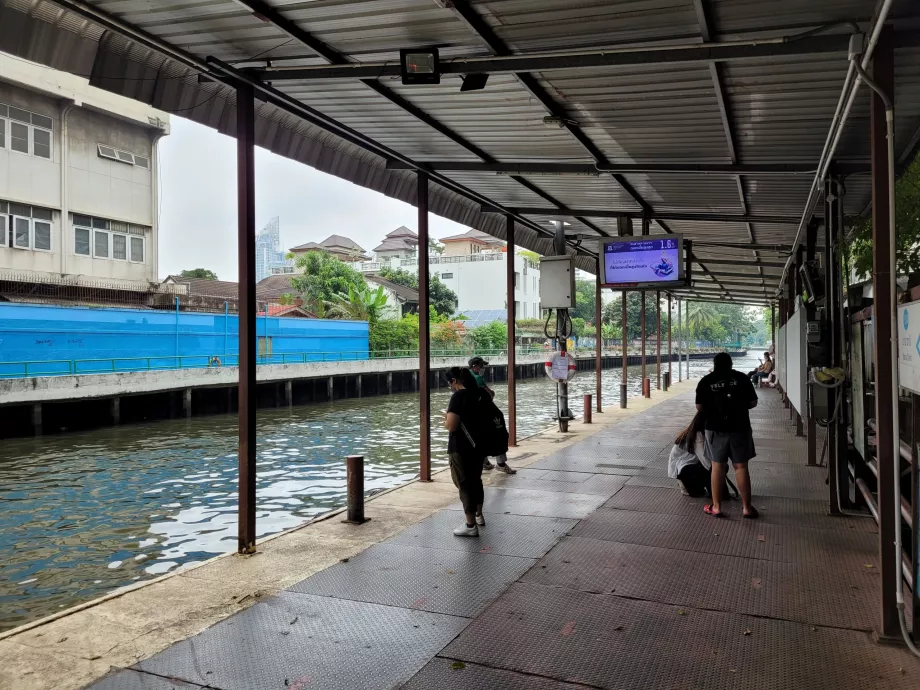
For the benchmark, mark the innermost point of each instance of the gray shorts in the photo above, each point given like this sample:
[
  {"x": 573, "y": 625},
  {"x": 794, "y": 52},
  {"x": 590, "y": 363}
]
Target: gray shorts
[{"x": 736, "y": 446}]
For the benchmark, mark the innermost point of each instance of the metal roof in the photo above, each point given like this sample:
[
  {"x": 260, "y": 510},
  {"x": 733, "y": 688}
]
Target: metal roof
[{"x": 644, "y": 101}]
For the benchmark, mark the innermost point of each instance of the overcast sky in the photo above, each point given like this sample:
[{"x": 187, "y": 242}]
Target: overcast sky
[{"x": 198, "y": 203}]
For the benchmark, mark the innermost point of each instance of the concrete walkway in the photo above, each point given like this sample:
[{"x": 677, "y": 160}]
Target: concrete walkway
[{"x": 593, "y": 571}]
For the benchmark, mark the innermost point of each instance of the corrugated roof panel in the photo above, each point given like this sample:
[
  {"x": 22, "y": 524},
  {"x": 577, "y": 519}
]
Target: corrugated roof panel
[{"x": 688, "y": 193}]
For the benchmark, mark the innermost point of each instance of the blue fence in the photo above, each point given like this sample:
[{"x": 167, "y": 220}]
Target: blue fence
[{"x": 39, "y": 340}]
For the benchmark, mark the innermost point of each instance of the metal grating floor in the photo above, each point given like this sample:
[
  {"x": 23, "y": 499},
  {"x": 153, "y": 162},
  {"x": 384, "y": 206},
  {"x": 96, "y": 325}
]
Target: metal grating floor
[{"x": 592, "y": 571}]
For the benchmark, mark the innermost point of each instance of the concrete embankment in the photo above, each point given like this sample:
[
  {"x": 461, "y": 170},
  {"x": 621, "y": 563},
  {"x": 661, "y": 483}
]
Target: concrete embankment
[{"x": 54, "y": 404}]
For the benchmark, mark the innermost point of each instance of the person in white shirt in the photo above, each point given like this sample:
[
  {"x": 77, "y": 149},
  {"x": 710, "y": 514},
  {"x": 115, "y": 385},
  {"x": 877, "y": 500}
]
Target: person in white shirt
[{"x": 687, "y": 462}]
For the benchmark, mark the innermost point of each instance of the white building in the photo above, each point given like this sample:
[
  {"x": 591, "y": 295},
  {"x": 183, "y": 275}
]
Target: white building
[
  {"x": 78, "y": 179},
  {"x": 270, "y": 259},
  {"x": 473, "y": 265}
]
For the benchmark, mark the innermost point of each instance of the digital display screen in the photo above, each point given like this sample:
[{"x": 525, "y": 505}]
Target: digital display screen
[{"x": 643, "y": 261}]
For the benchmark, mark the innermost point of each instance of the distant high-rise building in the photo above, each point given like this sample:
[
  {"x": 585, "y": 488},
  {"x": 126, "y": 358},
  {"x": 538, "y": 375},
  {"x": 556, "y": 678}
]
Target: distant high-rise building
[{"x": 269, "y": 256}]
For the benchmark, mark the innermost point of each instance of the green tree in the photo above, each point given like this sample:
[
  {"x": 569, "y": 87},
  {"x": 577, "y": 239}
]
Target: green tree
[
  {"x": 287, "y": 299},
  {"x": 394, "y": 335},
  {"x": 907, "y": 218},
  {"x": 491, "y": 336},
  {"x": 435, "y": 246},
  {"x": 202, "y": 273},
  {"x": 322, "y": 278},
  {"x": 527, "y": 254},
  {"x": 361, "y": 304},
  {"x": 585, "y": 300},
  {"x": 700, "y": 315},
  {"x": 613, "y": 314},
  {"x": 441, "y": 297}
]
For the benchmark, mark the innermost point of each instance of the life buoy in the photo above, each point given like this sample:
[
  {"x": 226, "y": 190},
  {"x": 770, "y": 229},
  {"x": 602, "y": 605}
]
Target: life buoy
[
  {"x": 214, "y": 362},
  {"x": 559, "y": 362}
]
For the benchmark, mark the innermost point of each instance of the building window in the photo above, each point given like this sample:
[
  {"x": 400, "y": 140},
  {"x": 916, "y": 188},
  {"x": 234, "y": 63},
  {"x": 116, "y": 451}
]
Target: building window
[
  {"x": 25, "y": 227},
  {"x": 104, "y": 239},
  {"x": 517, "y": 279},
  {"x": 120, "y": 156},
  {"x": 447, "y": 276},
  {"x": 25, "y": 132}
]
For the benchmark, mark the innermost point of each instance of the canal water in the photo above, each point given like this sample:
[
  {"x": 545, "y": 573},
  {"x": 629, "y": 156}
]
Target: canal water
[{"x": 86, "y": 513}]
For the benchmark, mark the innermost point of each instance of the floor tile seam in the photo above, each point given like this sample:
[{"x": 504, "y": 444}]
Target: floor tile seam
[
  {"x": 171, "y": 679},
  {"x": 834, "y": 530},
  {"x": 526, "y": 674},
  {"x": 671, "y": 548},
  {"x": 445, "y": 550},
  {"x": 391, "y": 606},
  {"x": 689, "y": 607},
  {"x": 708, "y": 553}
]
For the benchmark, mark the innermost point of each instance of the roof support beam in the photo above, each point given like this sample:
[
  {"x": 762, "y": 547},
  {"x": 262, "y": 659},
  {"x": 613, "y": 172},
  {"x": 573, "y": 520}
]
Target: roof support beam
[
  {"x": 655, "y": 215},
  {"x": 266, "y": 13},
  {"x": 735, "y": 262},
  {"x": 506, "y": 63},
  {"x": 593, "y": 169}
]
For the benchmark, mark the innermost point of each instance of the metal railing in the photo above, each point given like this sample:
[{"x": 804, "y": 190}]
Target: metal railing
[{"x": 114, "y": 365}]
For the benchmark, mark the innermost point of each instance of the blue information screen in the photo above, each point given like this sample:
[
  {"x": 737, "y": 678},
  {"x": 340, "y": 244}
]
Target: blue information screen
[{"x": 642, "y": 261}]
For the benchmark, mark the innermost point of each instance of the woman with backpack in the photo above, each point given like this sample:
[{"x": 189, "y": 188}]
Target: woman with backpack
[
  {"x": 687, "y": 463},
  {"x": 463, "y": 419}
]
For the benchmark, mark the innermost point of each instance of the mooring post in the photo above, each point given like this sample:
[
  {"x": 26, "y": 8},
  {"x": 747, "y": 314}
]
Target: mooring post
[
  {"x": 587, "y": 419},
  {"x": 354, "y": 472}
]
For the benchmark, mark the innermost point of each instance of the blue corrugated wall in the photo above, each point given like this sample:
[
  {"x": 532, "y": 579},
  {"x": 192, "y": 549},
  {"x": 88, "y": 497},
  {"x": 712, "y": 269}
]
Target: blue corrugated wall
[{"x": 57, "y": 340}]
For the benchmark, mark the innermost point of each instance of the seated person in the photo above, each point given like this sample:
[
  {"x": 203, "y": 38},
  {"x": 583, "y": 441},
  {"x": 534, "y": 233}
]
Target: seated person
[
  {"x": 763, "y": 371},
  {"x": 686, "y": 463}
]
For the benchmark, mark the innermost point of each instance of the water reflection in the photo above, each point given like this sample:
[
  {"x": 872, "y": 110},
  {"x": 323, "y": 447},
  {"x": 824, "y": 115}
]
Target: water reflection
[{"x": 85, "y": 513}]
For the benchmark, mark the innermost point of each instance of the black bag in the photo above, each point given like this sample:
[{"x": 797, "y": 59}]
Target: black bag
[
  {"x": 697, "y": 481},
  {"x": 487, "y": 432}
]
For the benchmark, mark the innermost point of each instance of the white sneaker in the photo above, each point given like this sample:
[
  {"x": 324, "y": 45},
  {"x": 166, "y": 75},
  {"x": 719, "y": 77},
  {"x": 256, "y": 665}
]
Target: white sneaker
[
  {"x": 464, "y": 531},
  {"x": 481, "y": 520}
]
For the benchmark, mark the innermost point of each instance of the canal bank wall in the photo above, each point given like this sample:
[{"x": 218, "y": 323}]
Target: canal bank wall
[
  {"x": 70, "y": 650},
  {"x": 59, "y": 404}
]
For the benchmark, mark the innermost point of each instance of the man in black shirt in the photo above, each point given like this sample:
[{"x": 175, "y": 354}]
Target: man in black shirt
[{"x": 725, "y": 396}]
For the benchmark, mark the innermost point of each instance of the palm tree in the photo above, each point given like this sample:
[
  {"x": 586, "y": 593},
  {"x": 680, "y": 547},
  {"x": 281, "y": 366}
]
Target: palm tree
[
  {"x": 699, "y": 316},
  {"x": 361, "y": 304}
]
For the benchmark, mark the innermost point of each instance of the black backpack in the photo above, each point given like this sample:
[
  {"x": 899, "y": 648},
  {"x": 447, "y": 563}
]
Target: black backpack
[
  {"x": 487, "y": 432},
  {"x": 724, "y": 406}
]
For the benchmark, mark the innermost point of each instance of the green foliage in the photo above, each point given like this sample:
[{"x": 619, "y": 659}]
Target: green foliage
[
  {"x": 322, "y": 278},
  {"x": 580, "y": 327},
  {"x": 441, "y": 297},
  {"x": 435, "y": 246},
  {"x": 491, "y": 336},
  {"x": 394, "y": 334},
  {"x": 202, "y": 273},
  {"x": 287, "y": 299},
  {"x": 719, "y": 323},
  {"x": 585, "y": 300},
  {"x": 907, "y": 218},
  {"x": 530, "y": 326},
  {"x": 527, "y": 254},
  {"x": 447, "y": 336},
  {"x": 613, "y": 314},
  {"x": 361, "y": 304}
]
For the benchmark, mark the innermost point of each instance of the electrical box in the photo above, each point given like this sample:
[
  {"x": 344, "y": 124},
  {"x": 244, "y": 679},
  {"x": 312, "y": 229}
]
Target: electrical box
[{"x": 557, "y": 282}]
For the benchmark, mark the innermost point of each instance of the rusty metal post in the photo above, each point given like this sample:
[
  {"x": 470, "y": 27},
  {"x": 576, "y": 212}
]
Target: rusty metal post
[
  {"x": 883, "y": 309},
  {"x": 811, "y": 428},
  {"x": 838, "y": 473},
  {"x": 625, "y": 337},
  {"x": 354, "y": 478},
  {"x": 424, "y": 341},
  {"x": 246, "y": 255},
  {"x": 642, "y": 334},
  {"x": 512, "y": 355},
  {"x": 587, "y": 419},
  {"x": 680, "y": 341},
  {"x": 669, "y": 340},
  {"x": 658, "y": 337},
  {"x": 915, "y": 505},
  {"x": 598, "y": 336}
]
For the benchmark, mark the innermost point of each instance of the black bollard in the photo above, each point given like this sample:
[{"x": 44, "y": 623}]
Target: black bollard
[{"x": 354, "y": 469}]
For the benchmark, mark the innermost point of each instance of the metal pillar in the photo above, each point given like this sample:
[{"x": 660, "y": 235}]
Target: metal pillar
[
  {"x": 658, "y": 336},
  {"x": 811, "y": 428},
  {"x": 562, "y": 387},
  {"x": 915, "y": 504},
  {"x": 680, "y": 341},
  {"x": 424, "y": 341},
  {"x": 246, "y": 250},
  {"x": 883, "y": 310},
  {"x": 625, "y": 336},
  {"x": 670, "y": 375},
  {"x": 642, "y": 334},
  {"x": 598, "y": 338},
  {"x": 512, "y": 355},
  {"x": 354, "y": 482},
  {"x": 838, "y": 475}
]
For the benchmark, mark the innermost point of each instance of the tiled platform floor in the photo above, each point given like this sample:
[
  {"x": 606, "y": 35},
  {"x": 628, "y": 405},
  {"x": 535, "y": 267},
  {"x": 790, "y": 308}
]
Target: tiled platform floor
[{"x": 592, "y": 572}]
